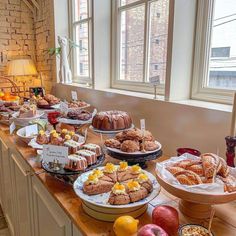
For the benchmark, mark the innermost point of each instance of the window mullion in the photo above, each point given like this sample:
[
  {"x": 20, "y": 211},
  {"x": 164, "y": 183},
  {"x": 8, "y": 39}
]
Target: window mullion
[{"x": 146, "y": 42}]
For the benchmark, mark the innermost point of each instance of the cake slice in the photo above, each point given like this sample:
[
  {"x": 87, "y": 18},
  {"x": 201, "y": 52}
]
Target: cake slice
[
  {"x": 76, "y": 163},
  {"x": 94, "y": 148},
  {"x": 94, "y": 185},
  {"x": 90, "y": 156},
  {"x": 118, "y": 195},
  {"x": 145, "y": 182},
  {"x": 72, "y": 145}
]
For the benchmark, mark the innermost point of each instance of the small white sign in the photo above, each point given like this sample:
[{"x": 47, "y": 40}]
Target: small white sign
[
  {"x": 85, "y": 134},
  {"x": 64, "y": 107},
  {"x": 31, "y": 130},
  {"x": 52, "y": 153},
  {"x": 12, "y": 127},
  {"x": 74, "y": 95},
  {"x": 155, "y": 80},
  {"x": 142, "y": 125}
]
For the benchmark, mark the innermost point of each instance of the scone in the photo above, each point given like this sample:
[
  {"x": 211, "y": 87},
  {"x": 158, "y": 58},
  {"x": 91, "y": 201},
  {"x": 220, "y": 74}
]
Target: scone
[
  {"x": 112, "y": 143},
  {"x": 94, "y": 185},
  {"x": 145, "y": 182},
  {"x": 118, "y": 195},
  {"x": 136, "y": 191},
  {"x": 130, "y": 146},
  {"x": 109, "y": 170}
]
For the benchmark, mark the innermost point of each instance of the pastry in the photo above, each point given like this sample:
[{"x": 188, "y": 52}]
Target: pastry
[
  {"x": 211, "y": 164},
  {"x": 125, "y": 172},
  {"x": 111, "y": 120},
  {"x": 42, "y": 138},
  {"x": 51, "y": 133},
  {"x": 230, "y": 183},
  {"x": 56, "y": 140},
  {"x": 42, "y": 102},
  {"x": 93, "y": 185},
  {"x": 76, "y": 163},
  {"x": 27, "y": 111},
  {"x": 73, "y": 146},
  {"x": 145, "y": 182},
  {"x": 79, "y": 115},
  {"x": 77, "y": 104},
  {"x": 136, "y": 191},
  {"x": 130, "y": 146},
  {"x": 224, "y": 169},
  {"x": 118, "y": 195},
  {"x": 112, "y": 143},
  {"x": 100, "y": 175},
  {"x": 196, "y": 168},
  {"x": 64, "y": 132},
  {"x": 149, "y": 146},
  {"x": 94, "y": 148},
  {"x": 51, "y": 99},
  {"x": 188, "y": 162},
  {"x": 174, "y": 169},
  {"x": 188, "y": 177},
  {"x": 90, "y": 156},
  {"x": 110, "y": 171}
]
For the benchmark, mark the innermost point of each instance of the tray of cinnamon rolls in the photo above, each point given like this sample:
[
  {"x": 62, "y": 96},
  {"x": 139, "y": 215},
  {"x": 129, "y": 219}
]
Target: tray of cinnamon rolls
[{"x": 207, "y": 175}]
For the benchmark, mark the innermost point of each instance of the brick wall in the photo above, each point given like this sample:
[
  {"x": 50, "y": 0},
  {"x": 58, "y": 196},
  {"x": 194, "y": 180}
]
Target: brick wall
[{"x": 23, "y": 33}]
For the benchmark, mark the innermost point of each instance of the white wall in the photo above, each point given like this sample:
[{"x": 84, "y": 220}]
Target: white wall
[{"x": 174, "y": 125}]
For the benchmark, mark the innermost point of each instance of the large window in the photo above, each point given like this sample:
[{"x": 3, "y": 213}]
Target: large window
[
  {"x": 81, "y": 33},
  {"x": 140, "y": 30},
  {"x": 215, "y": 54}
]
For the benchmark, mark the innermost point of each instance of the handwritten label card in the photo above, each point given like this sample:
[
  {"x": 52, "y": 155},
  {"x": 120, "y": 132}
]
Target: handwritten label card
[
  {"x": 64, "y": 107},
  {"x": 53, "y": 153},
  {"x": 155, "y": 80},
  {"x": 12, "y": 127},
  {"x": 74, "y": 95},
  {"x": 142, "y": 125},
  {"x": 31, "y": 130}
]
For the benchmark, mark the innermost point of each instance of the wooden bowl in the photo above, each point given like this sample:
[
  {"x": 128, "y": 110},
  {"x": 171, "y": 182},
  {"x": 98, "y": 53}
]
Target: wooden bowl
[{"x": 196, "y": 205}]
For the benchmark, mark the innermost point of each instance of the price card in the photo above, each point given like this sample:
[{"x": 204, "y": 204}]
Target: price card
[
  {"x": 155, "y": 80},
  {"x": 64, "y": 107},
  {"x": 85, "y": 134},
  {"x": 12, "y": 127},
  {"x": 53, "y": 153},
  {"x": 142, "y": 125},
  {"x": 74, "y": 95},
  {"x": 31, "y": 130}
]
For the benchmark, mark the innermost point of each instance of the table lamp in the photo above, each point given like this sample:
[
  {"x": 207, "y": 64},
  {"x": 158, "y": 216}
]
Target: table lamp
[{"x": 21, "y": 68}]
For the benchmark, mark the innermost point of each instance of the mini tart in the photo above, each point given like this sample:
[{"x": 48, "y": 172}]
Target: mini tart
[
  {"x": 118, "y": 195},
  {"x": 110, "y": 171},
  {"x": 145, "y": 182}
]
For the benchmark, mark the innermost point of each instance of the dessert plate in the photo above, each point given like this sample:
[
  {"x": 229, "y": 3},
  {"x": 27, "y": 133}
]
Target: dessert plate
[
  {"x": 37, "y": 116},
  {"x": 138, "y": 153},
  {"x": 101, "y": 200},
  {"x": 35, "y": 145},
  {"x": 110, "y": 131}
]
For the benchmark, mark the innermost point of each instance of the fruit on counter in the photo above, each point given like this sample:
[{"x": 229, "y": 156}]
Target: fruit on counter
[
  {"x": 1, "y": 94},
  {"x": 125, "y": 225},
  {"x": 8, "y": 97},
  {"x": 151, "y": 230},
  {"x": 167, "y": 218}
]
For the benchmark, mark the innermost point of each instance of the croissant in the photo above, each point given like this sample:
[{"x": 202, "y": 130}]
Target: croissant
[
  {"x": 196, "y": 168},
  {"x": 224, "y": 169},
  {"x": 186, "y": 163},
  {"x": 190, "y": 177},
  {"x": 211, "y": 164},
  {"x": 174, "y": 169}
]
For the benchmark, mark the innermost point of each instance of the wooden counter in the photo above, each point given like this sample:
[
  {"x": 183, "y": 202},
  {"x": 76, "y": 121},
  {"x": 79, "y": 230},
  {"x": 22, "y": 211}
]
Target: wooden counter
[{"x": 224, "y": 223}]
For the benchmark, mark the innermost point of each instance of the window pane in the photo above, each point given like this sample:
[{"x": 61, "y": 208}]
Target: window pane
[
  {"x": 132, "y": 44},
  {"x": 222, "y": 71},
  {"x": 125, "y": 2},
  {"x": 158, "y": 39},
  {"x": 82, "y": 52},
  {"x": 81, "y": 9}
]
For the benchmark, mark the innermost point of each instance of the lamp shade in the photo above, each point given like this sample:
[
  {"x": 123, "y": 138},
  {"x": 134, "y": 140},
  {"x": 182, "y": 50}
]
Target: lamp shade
[{"x": 21, "y": 67}]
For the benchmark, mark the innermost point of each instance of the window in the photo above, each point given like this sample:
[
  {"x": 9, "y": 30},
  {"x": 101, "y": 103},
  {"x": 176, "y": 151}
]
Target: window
[
  {"x": 81, "y": 33},
  {"x": 214, "y": 74},
  {"x": 140, "y": 31}
]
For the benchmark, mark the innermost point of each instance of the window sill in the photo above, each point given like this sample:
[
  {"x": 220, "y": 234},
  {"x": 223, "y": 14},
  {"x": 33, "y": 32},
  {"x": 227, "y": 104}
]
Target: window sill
[{"x": 189, "y": 102}]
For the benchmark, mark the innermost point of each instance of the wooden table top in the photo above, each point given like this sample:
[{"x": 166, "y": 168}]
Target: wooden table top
[{"x": 224, "y": 223}]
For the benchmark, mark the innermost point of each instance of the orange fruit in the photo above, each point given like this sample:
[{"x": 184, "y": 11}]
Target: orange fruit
[{"x": 125, "y": 225}]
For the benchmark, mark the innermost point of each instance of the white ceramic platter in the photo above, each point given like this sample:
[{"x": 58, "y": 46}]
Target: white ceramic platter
[
  {"x": 109, "y": 132},
  {"x": 138, "y": 153},
  {"x": 101, "y": 200}
]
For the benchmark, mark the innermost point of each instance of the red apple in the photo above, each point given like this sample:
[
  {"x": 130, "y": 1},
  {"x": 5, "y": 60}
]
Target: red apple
[
  {"x": 151, "y": 230},
  {"x": 167, "y": 218}
]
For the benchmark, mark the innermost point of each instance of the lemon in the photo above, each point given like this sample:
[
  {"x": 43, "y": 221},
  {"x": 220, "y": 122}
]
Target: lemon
[{"x": 125, "y": 225}]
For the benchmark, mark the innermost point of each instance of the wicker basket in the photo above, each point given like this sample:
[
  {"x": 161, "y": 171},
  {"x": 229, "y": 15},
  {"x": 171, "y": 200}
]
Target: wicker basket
[{"x": 12, "y": 85}]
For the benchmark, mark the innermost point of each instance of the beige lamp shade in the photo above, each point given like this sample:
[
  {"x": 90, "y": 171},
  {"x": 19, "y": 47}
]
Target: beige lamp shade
[{"x": 21, "y": 67}]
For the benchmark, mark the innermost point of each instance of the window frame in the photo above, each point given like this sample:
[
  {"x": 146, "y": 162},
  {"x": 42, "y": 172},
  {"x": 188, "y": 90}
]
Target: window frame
[
  {"x": 115, "y": 51},
  {"x": 205, "y": 11},
  {"x": 72, "y": 35}
]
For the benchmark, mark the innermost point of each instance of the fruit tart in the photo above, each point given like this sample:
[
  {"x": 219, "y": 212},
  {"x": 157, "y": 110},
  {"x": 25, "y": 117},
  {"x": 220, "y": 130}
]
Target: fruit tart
[{"x": 118, "y": 195}]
